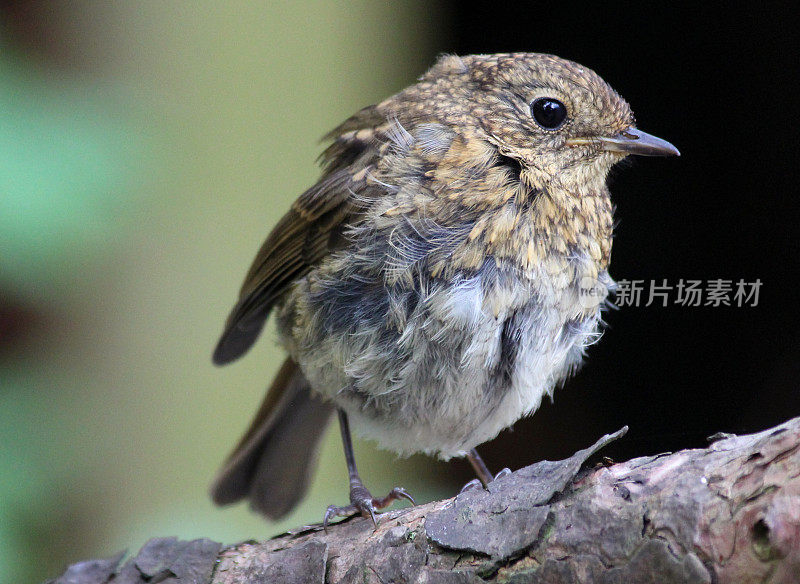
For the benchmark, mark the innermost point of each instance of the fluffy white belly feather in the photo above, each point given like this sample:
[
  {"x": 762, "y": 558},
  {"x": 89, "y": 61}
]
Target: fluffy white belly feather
[{"x": 451, "y": 373}]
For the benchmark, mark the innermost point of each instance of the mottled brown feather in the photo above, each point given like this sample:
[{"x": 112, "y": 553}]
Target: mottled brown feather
[{"x": 301, "y": 239}]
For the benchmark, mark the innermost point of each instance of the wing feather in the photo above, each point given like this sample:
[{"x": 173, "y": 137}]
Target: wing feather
[{"x": 301, "y": 239}]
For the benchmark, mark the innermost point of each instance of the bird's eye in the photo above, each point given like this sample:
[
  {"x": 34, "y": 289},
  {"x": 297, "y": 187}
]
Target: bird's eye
[{"x": 549, "y": 113}]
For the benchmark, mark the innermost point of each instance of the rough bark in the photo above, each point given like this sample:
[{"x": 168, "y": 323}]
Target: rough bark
[{"x": 726, "y": 514}]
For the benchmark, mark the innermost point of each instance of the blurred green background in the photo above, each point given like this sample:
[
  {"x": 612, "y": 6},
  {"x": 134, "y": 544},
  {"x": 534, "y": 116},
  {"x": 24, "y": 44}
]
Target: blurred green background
[{"x": 146, "y": 149}]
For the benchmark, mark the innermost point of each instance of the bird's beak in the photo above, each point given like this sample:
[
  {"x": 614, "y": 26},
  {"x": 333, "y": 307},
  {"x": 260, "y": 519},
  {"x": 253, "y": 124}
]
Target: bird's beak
[{"x": 630, "y": 141}]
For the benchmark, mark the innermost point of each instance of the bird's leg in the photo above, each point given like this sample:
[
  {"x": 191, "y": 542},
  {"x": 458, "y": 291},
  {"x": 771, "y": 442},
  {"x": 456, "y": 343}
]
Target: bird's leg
[
  {"x": 480, "y": 468},
  {"x": 482, "y": 471},
  {"x": 361, "y": 500}
]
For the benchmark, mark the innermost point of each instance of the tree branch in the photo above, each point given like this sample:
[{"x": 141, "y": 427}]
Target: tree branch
[{"x": 726, "y": 514}]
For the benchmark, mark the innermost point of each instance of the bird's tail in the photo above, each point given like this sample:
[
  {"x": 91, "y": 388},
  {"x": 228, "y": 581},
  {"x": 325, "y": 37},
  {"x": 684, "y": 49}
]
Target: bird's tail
[{"x": 272, "y": 463}]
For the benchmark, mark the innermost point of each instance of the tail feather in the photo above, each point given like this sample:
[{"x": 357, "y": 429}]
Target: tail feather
[{"x": 272, "y": 463}]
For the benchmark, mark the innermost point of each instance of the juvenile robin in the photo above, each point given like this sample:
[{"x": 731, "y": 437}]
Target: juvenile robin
[{"x": 432, "y": 286}]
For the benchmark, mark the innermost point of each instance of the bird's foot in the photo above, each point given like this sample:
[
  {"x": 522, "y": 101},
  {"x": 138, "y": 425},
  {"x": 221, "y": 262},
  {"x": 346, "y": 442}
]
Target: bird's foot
[
  {"x": 502, "y": 473},
  {"x": 474, "y": 483},
  {"x": 362, "y": 502}
]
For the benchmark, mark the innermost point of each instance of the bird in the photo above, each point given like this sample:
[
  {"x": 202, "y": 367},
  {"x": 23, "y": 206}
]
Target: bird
[{"x": 447, "y": 271}]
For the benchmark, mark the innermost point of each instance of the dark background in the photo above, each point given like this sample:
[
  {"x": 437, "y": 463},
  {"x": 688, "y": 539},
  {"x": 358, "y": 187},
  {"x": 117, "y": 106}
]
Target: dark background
[{"x": 720, "y": 85}]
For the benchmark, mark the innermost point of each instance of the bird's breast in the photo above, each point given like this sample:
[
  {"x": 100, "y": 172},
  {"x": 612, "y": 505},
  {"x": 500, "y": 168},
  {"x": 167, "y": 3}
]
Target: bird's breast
[{"x": 435, "y": 332}]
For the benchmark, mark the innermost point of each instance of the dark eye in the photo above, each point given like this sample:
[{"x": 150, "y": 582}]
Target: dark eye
[{"x": 549, "y": 113}]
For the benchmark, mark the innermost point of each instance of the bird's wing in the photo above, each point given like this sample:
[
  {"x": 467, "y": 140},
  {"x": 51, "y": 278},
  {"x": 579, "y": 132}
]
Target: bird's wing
[{"x": 307, "y": 233}]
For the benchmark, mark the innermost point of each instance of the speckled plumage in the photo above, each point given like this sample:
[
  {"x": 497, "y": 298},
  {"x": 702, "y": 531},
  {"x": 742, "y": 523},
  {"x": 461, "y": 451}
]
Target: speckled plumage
[{"x": 433, "y": 283}]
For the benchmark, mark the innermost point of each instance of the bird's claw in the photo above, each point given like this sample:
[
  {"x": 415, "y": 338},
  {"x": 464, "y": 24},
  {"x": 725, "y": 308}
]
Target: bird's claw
[
  {"x": 395, "y": 494},
  {"x": 477, "y": 483},
  {"x": 363, "y": 503},
  {"x": 473, "y": 484},
  {"x": 502, "y": 473}
]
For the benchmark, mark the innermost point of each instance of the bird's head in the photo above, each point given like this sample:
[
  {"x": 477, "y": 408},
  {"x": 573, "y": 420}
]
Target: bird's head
[{"x": 557, "y": 118}]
